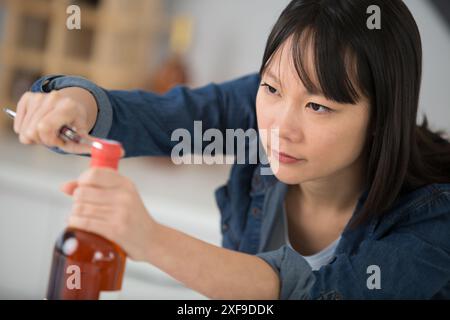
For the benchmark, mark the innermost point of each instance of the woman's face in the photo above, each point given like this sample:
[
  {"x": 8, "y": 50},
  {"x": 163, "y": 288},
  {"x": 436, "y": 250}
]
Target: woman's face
[{"x": 327, "y": 136}]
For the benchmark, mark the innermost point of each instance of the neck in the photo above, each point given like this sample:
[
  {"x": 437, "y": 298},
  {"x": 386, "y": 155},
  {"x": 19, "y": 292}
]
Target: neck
[{"x": 337, "y": 193}]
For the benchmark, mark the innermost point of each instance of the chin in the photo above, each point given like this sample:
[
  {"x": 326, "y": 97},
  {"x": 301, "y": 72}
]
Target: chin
[{"x": 289, "y": 176}]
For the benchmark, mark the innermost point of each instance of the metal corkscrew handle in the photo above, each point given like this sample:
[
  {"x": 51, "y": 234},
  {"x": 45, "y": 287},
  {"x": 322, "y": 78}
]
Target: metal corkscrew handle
[{"x": 66, "y": 133}]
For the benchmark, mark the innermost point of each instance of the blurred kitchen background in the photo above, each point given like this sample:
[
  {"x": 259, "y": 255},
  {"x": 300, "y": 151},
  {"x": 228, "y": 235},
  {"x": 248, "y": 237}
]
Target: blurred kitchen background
[{"x": 153, "y": 45}]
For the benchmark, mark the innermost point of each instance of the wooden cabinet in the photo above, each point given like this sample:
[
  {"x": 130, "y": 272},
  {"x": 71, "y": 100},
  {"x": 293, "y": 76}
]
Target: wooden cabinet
[{"x": 115, "y": 46}]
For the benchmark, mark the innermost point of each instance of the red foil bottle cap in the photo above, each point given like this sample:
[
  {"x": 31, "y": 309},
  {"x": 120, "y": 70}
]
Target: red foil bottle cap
[{"x": 106, "y": 153}]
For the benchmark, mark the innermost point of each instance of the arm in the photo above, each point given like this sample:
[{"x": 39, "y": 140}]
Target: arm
[
  {"x": 144, "y": 121},
  {"x": 283, "y": 274},
  {"x": 215, "y": 272}
]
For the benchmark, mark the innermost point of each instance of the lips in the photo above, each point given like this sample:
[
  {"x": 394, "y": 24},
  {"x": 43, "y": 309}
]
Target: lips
[{"x": 285, "y": 158}]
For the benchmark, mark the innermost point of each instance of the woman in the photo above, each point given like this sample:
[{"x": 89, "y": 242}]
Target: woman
[{"x": 359, "y": 206}]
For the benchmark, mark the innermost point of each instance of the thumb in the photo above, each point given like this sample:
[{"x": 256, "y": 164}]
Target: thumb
[
  {"x": 78, "y": 148},
  {"x": 69, "y": 187}
]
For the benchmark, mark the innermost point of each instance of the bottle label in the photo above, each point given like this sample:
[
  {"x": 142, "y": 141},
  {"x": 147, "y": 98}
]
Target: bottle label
[{"x": 109, "y": 295}]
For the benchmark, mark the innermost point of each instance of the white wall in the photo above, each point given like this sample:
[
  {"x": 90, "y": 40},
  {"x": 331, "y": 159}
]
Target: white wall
[
  {"x": 230, "y": 36},
  {"x": 435, "y": 95}
]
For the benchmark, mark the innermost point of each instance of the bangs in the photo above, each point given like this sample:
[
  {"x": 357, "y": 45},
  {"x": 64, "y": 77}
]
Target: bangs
[{"x": 324, "y": 61}]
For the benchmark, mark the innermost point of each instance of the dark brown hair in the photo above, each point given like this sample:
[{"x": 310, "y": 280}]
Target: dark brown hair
[{"x": 401, "y": 156}]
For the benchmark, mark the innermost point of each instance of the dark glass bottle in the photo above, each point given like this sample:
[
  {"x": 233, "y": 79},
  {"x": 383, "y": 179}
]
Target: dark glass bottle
[{"x": 87, "y": 266}]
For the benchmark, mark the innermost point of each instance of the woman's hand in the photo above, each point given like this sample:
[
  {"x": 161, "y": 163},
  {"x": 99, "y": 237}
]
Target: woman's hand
[
  {"x": 108, "y": 204},
  {"x": 40, "y": 116}
]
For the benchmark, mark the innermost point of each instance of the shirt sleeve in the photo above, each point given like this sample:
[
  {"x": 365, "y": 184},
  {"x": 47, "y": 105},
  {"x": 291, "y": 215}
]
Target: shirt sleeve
[
  {"x": 57, "y": 82},
  {"x": 144, "y": 121},
  {"x": 401, "y": 265}
]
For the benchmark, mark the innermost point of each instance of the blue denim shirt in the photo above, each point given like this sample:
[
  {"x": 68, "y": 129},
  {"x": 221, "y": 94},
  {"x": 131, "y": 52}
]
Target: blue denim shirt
[{"x": 410, "y": 245}]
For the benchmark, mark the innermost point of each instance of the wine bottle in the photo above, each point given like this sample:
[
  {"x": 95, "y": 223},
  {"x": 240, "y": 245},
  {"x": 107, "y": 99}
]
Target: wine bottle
[{"x": 85, "y": 265}]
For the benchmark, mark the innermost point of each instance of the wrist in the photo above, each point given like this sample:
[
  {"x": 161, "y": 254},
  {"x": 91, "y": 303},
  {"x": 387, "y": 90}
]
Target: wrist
[
  {"x": 154, "y": 242},
  {"x": 89, "y": 104}
]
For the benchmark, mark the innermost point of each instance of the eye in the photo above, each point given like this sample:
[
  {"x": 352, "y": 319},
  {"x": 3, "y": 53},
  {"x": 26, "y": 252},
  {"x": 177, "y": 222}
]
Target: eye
[
  {"x": 317, "y": 108},
  {"x": 269, "y": 88}
]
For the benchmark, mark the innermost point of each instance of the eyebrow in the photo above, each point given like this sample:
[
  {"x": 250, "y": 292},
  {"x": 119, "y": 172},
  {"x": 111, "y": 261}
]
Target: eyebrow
[{"x": 272, "y": 75}]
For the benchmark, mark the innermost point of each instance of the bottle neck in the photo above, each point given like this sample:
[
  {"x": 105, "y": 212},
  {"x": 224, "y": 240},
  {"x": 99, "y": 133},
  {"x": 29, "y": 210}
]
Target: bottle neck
[
  {"x": 102, "y": 162},
  {"x": 106, "y": 154}
]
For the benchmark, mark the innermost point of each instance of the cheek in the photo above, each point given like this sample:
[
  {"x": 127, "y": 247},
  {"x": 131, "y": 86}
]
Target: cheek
[{"x": 338, "y": 146}]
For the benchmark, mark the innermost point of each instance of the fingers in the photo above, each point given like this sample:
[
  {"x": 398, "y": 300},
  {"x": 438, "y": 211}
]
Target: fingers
[
  {"x": 69, "y": 187},
  {"x": 101, "y": 199},
  {"x": 87, "y": 210},
  {"x": 64, "y": 113},
  {"x": 32, "y": 103},
  {"x": 103, "y": 178},
  {"x": 47, "y": 105},
  {"x": 92, "y": 211},
  {"x": 95, "y": 185},
  {"x": 91, "y": 225},
  {"x": 49, "y": 125},
  {"x": 21, "y": 111},
  {"x": 93, "y": 195},
  {"x": 40, "y": 116}
]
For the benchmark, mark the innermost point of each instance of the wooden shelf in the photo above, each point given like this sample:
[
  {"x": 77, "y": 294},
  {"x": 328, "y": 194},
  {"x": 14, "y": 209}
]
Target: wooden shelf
[{"x": 113, "y": 47}]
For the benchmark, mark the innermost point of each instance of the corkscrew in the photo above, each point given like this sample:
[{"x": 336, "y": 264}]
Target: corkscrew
[{"x": 66, "y": 133}]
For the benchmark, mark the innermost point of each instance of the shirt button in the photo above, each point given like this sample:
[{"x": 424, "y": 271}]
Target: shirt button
[
  {"x": 256, "y": 211},
  {"x": 225, "y": 227},
  {"x": 338, "y": 296}
]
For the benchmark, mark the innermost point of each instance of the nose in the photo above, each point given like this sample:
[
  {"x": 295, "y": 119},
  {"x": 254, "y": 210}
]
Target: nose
[{"x": 289, "y": 124}]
